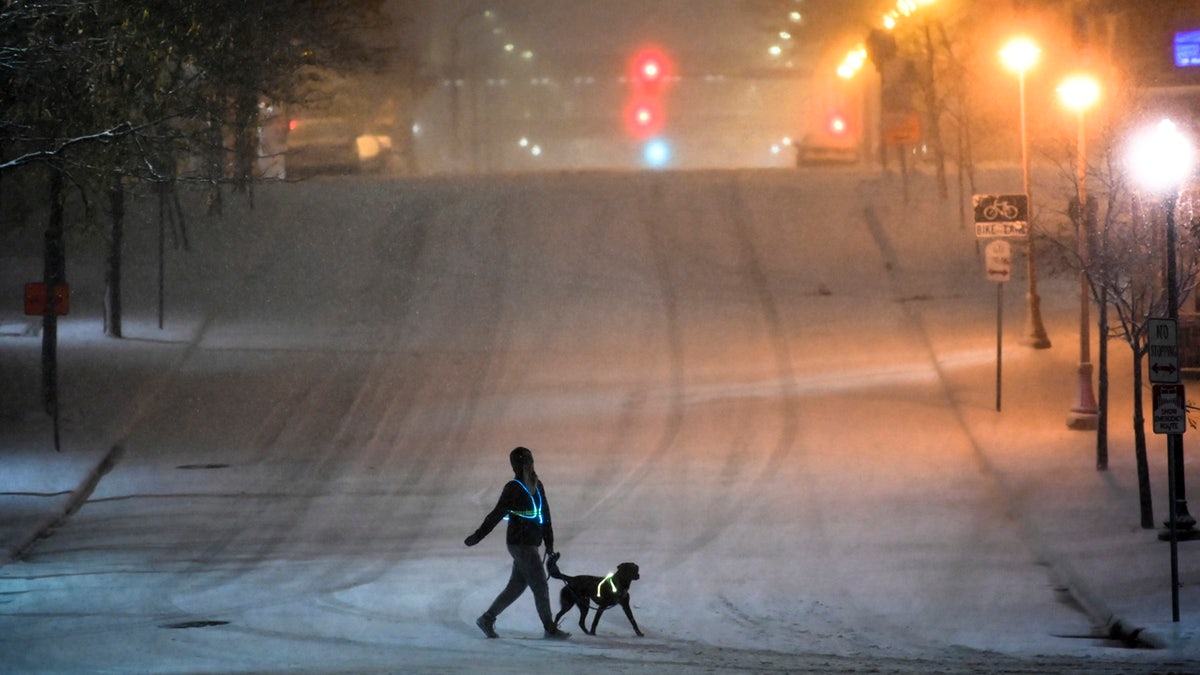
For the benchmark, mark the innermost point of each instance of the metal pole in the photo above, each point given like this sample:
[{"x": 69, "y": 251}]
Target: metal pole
[
  {"x": 455, "y": 79},
  {"x": 1185, "y": 521},
  {"x": 999, "y": 338},
  {"x": 1173, "y": 524},
  {"x": 1102, "y": 358},
  {"x": 162, "y": 251},
  {"x": 1035, "y": 332},
  {"x": 1083, "y": 415}
]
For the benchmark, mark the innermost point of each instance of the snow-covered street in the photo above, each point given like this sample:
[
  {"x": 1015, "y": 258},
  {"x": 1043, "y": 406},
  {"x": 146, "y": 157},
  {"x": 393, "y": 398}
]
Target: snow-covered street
[{"x": 773, "y": 390}]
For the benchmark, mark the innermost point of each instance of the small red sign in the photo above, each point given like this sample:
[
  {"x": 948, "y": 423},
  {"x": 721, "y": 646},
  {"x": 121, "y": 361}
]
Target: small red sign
[
  {"x": 36, "y": 299},
  {"x": 901, "y": 129}
]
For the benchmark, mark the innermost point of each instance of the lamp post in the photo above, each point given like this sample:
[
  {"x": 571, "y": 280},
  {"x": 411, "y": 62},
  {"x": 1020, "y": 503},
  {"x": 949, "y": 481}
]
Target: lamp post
[
  {"x": 1079, "y": 93},
  {"x": 1020, "y": 55},
  {"x": 1162, "y": 159},
  {"x": 457, "y": 80}
]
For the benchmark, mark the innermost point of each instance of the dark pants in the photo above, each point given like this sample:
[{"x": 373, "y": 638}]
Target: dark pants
[{"x": 527, "y": 572}]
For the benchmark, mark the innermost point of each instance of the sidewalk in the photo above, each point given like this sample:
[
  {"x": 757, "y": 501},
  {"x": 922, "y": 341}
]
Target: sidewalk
[{"x": 1083, "y": 524}]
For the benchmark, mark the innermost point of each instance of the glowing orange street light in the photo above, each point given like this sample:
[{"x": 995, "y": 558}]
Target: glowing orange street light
[
  {"x": 1080, "y": 93},
  {"x": 1020, "y": 55}
]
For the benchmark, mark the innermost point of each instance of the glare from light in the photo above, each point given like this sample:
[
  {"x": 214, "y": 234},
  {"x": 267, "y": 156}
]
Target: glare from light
[
  {"x": 657, "y": 153},
  {"x": 853, "y": 62},
  {"x": 794, "y": 16},
  {"x": 784, "y": 35},
  {"x": 1020, "y": 54},
  {"x": 1079, "y": 92},
  {"x": 509, "y": 47},
  {"x": 536, "y": 151},
  {"x": 775, "y": 149},
  {"x": 775, "y": 50},
  {"x": 1161, "y": 158},
  {"x": 524, "y": 142}
]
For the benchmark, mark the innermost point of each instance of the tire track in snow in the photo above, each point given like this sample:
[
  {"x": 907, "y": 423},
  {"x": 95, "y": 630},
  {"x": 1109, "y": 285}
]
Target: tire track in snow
[
  {"x": 609, "y": 479},
  {"x": 750, "y": 270}
]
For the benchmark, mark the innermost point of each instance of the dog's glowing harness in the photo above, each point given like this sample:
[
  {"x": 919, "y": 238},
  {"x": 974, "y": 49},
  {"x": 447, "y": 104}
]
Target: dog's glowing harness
[
  {"x": 611, "y": 584},
  {"x": 534, "y": 513}
]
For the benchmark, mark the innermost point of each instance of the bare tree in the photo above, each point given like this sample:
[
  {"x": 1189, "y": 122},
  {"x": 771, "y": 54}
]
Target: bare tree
[{"x": 97, "y": 93}]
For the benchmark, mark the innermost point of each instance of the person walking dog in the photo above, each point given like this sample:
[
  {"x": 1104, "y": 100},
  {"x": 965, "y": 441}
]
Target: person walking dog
[{"x": 523, "y": 502}]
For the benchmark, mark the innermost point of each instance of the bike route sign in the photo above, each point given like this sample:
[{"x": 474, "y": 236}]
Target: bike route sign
[{"x": 1001, "y": 215}]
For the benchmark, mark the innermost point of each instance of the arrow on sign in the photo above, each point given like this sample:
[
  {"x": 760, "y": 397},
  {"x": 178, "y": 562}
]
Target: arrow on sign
[{"x": 1168, "y": 369}]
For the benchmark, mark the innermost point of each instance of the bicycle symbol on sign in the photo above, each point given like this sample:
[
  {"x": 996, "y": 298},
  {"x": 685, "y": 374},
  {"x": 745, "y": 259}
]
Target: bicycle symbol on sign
[
  {"x": 1001, "y": 215},
  {"x": 1001, "y": 209}
]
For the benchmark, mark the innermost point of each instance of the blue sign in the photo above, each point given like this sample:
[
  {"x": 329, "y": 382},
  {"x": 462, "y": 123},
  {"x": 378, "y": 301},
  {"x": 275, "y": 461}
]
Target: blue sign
[{"x": 1187, "y": 49}]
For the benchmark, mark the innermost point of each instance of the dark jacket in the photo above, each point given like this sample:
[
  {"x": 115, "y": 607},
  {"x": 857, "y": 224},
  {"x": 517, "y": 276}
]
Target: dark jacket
[{"x": 528, "y": 516}]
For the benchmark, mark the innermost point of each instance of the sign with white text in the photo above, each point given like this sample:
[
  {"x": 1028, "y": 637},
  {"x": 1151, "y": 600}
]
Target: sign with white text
[
  {"x": 1170, "y": 409},
  {"x": 1001, "y": 215},
  {"x": 997, "y": 261},
  {"x": 1162, "y": 349}
]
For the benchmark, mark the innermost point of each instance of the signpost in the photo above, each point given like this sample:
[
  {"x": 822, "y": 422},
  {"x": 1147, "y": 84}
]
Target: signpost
[
  {"x": 1001, "y": 215},
  {"x": 998, "y": 261},
  {"x": 37, "y": 299},
  {"x": 1170, "y": 409},
  {"x": 1170, "y": 418},
  {"x": 901, "y": 129},
  {"x": 1162, "y": 341},
  {"x": 997, "y": 258}
]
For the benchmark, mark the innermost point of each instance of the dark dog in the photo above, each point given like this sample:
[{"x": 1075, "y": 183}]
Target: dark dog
[{"x": 584, "y": 590}]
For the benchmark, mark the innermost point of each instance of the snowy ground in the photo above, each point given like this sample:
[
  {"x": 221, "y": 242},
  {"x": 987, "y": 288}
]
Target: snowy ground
[{"x": 773, "y": 390}]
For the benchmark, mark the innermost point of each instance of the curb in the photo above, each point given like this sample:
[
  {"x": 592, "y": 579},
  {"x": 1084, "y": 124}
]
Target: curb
[
  {"x": 1138, "y": 638},
  {"x": 1114, "y": 628},
  {"x": 74, "y": 502}
]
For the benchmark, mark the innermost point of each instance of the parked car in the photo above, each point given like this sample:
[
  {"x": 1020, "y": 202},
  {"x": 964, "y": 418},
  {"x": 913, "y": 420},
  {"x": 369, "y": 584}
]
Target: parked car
[
  {"x": 826, "y": 149},
  {"x": 324, "y": 145}
]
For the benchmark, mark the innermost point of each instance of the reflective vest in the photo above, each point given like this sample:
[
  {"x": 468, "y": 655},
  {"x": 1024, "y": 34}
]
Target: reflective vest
[{"x": 535, "y": 501}]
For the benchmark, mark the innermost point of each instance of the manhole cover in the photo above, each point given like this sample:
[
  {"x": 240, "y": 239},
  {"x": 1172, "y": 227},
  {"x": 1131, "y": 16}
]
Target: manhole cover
[{"x": 207, "y": 623}]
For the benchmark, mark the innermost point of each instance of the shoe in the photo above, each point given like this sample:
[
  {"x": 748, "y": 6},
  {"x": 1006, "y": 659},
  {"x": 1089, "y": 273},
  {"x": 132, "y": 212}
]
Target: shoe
[
  {"x": 556, "y": 634},
  {"x": 488, "y": 625}
]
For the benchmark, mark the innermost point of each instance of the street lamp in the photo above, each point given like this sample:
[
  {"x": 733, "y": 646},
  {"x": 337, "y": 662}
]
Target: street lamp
[
  {"x": 1079, "y": 93},
  {"x": 458, "y": 81},
  {"x": 1161, "y": 159},
  {"x": 1020, "y": 55}
]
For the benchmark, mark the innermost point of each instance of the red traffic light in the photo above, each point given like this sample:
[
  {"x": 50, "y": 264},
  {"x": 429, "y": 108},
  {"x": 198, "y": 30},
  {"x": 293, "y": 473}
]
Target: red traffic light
[
  {"x": 645, "y": 112},
  {"x": 650, "y": 67},
  {"x": 644, "y": 117},
  {"x": 838, "y": 126}
]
